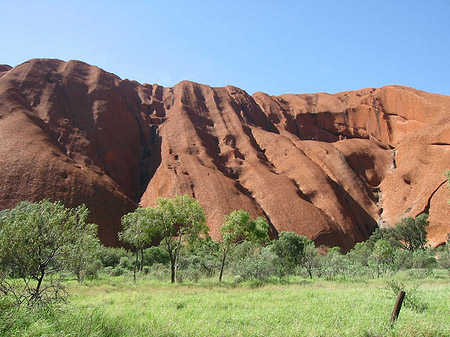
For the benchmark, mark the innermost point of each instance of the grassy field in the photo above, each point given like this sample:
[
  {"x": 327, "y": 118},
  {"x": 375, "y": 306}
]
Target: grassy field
[{"x": 114, "y": 306}]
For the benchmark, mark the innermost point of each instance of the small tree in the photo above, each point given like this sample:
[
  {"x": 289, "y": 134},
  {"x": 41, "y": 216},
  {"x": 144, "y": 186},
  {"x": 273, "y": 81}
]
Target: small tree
[
  {"x": 311, "y": 258},
  {"x": 237, "y": 228},
  {"x": 334, "y": 263},
  {"x": 82, "y": 256},
  {"x": 290, "y": 248},
  {"x": 411, "y": 233},
  {"x": 360, "y": 254},
  {"x": 139, "y": 228},
  {"x": 178, "y": 220},
  {"x": 34, "y": 241},
  {"x": 382, "y": 256}
]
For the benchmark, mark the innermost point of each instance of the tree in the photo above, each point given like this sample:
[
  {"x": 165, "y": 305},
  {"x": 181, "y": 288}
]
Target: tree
[
  {"x": 360, "y": 254},
  {"x": 311, "y": 257},
  {"x": 411, "y": 233},
  {"x": 82, "y": 256},
  {"x": 178, "y": 220},
  {"x": 334, "y": 263},
  {"x": 140, "y": 228},
  {"x": 290, "y": 248},
  {"x": 382, "y": 256},
  {"x": 34, "y": 241},
  {"x": 238, "y": 227},
  {"x": 385, "y": 234}
]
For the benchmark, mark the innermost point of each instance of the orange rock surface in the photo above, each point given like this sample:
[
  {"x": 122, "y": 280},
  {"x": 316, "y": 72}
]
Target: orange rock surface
[{"x": 331, "y": 167}]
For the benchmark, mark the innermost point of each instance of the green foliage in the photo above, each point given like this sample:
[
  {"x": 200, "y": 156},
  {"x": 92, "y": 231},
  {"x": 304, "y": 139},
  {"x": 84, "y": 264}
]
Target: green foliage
[
  {"x": 382, "y": 257},
  {"x": 386, "y": 234},
  {"x": 412, "y": 300},
  {"x": 360, "y": 254},
  {"x": 118, "y": 271},
  {"x": 290, "y": 248},
  {"x": 82, "y": 257},
  {"x": 139, "y": 228},
  {"x": 37, "y": 240},
  {"x": 333, "y": 263},
  {"x": 110, "y": 256},
  {"x": 411, "y": 233},
  {"x": 403, "y": 259},
  {"x": 154, "y": 255},
  {"x": 259, "y": 267},
  {"x": 444, "y": 257},
  {"x": 178, "y": 220},
  {"x": 237, "y": 228},
  {"x": 202, "y": 256},
  {"x": 311, "y": 260},
  {"x": 126, "y": 263}
]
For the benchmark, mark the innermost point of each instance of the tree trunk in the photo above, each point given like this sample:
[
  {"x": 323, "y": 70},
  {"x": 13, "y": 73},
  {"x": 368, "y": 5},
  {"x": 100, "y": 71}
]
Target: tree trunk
[
  {"x": 141, "y": 266},
  {"x": 309, "y": 269},
  {"x": 135, "y": 266},
  {"x": 172, "y": 270},
  {"x": 222, "y": 265},
  {"x": 37, "y": 291}
]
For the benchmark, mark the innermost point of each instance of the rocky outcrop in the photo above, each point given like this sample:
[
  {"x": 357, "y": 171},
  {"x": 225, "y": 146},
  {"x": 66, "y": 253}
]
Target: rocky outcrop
[{"x": 331, "y": 167}]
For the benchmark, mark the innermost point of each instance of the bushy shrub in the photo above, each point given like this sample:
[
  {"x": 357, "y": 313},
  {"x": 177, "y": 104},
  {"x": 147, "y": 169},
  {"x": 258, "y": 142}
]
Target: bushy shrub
[
  {"x": 159, "y": 271},
  {"x": 110, "y": 256},
  {"x": 190, "y": 274},
  {"x": 156, "y": 255},
  {"x": 126, "y": 262},
  {"x": 242, "y": 251},
  {"x": 258, "y": 267},
  {"x": 117, "y": 271},
  {"x": 333, "y": 263},
  {"x": 360, "y": 254},
  {"x": 424, "y": 258},
  {"x": 403, "y": 259},
  {"x": 444, "y": 257},
  {"x": 413, "y": 298}
]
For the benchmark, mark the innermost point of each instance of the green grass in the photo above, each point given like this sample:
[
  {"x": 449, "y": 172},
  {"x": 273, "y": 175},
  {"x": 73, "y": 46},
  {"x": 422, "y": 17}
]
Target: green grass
[{"x": 117, "y": 307}]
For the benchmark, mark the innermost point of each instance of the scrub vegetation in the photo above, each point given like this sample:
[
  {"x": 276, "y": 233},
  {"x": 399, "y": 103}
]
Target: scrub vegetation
[{"x": 190, "y": 285}]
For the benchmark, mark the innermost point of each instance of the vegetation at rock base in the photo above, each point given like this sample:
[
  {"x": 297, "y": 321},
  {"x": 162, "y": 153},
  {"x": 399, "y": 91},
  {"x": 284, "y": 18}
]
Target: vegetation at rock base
[{"x": 288, "y": 280}]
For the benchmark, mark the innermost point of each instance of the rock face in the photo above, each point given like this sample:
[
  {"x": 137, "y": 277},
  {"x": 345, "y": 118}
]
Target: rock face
[{"x": 331, "y": 167}]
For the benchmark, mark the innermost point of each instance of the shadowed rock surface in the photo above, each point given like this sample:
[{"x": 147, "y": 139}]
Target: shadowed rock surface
[{"x": 331, "y": 167}]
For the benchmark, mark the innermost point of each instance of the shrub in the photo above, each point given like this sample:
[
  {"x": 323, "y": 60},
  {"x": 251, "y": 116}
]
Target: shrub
[
  {"x": 412, "y": 298},
  {"x": 155, "y": 255},
  {"x": 110, "y": 256},
  {"x": 256, "y": 268},
  {"x": 126, "y": 262},
  {"x": 118, "y": 271},
  {"x": 444, "y": 257}
]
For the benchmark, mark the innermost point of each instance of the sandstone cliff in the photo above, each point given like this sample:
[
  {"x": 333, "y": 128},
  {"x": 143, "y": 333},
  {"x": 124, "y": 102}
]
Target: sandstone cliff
[{"x": 331, "y": 167}]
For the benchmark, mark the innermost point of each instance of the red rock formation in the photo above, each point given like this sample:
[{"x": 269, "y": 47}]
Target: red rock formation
[
  {"x": 327, "y": 166},
  {"x": 4, "y": 68}
]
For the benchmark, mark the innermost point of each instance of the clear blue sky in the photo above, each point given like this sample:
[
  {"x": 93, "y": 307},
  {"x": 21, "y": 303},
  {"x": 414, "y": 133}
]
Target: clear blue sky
[{"x": 271, "y": 46}]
